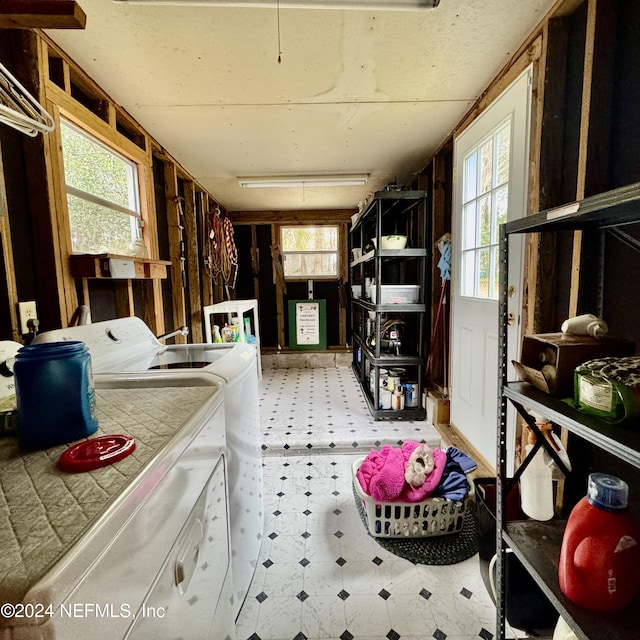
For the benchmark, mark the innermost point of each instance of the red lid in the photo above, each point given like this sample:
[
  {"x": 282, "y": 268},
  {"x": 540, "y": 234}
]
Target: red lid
[{"x": 96, "y": 452}]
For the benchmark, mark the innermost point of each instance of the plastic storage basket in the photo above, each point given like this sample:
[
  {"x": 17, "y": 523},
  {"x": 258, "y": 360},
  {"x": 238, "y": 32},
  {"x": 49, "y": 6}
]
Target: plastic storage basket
[{"x": 433, "y": 517}]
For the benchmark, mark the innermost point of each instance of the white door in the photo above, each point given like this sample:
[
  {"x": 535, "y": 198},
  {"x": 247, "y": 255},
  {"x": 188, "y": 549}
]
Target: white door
[{"x": 491, "y": 161}]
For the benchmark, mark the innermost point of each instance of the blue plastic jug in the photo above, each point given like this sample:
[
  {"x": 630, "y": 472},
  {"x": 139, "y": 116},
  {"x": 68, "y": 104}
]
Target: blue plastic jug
[{"x": 55, "y": 394}]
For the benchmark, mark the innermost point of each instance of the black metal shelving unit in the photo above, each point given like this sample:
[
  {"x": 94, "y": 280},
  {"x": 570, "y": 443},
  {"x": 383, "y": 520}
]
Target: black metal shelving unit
[
  {"x": 537, "y": 544},
  {"x": 390, "y": 213}
]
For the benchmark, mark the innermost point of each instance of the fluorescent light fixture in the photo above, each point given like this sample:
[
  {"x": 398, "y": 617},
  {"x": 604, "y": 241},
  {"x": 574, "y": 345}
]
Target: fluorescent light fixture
[
  {"x": 285, "y": 182},
  {"x": 367, "y": 5}
]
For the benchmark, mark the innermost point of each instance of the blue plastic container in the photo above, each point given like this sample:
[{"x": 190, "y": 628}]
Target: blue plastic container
[{"x": 55, "y": 395}]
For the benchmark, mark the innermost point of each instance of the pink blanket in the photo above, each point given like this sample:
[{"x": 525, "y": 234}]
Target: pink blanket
[{"x": 381, "y": 474}]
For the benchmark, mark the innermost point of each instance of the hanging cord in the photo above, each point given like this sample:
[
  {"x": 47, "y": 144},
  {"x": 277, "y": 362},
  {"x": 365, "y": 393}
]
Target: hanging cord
[
  {"x": 212, "y": 239},
  {"x": 217, "y": 245},
  {"x": 231, "y": 254},
  {"x": 278, "y": 18},
  {"x": 219, "y": 252}
]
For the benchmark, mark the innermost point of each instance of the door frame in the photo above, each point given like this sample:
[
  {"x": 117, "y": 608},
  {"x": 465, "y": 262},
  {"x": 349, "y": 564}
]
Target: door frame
[{"x": 478, "y": 129}]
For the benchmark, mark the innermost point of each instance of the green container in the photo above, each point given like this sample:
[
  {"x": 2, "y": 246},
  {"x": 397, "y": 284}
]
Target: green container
[{"x": 609, "y": 388}]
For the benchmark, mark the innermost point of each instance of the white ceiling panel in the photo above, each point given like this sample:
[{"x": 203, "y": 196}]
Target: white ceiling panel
[{"x": 356, "y": 91}]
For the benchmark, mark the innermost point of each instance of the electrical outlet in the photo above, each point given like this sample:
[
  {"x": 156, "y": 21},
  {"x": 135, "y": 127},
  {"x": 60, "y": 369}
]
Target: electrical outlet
[{"x": 27, "y": 311}]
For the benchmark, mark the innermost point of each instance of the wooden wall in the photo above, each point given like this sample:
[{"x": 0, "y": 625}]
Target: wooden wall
[
  {"x": 37, "y": 214},
  {"x": 256, "y": 233}
]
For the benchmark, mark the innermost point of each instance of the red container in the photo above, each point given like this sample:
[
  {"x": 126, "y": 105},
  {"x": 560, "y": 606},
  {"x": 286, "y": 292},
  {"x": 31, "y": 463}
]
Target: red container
[{"x": 600, "y": 557}]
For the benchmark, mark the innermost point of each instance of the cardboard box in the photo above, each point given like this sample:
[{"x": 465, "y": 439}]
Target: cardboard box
[
  {"x": 437, "y": 407},
  {"x": 548, "y": 360}
]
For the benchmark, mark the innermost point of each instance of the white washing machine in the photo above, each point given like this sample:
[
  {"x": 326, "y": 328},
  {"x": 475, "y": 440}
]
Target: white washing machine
[
  {"x": 136, "y": 549},
  {"x": 128, "y": 345}
]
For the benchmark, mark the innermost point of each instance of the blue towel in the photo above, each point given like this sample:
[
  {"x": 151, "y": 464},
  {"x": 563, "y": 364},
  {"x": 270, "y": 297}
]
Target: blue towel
[
  {"x": 467, "y": 463},
  {"x": 444, "y": 264},
  {"x": 453, "y": 484}
]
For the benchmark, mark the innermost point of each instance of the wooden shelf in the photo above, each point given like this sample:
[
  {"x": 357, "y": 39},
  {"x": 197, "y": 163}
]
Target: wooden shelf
[
  {"x": 42, "y": 14},
  {"x": 100, "y": 266}
]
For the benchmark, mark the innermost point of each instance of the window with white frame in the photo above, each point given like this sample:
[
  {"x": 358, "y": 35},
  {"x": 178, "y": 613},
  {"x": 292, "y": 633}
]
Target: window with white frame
[
  {"x": 310, "y": 251},
  {"x": 485, "y": 201},
  {"x": 102, "y": 194}
]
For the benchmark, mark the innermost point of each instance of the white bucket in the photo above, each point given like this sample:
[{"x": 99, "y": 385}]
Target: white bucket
[
  {"x": 384, "y": 399},
  {"x": 382, "y": 379},
  {"x": 389, "y": 382}
]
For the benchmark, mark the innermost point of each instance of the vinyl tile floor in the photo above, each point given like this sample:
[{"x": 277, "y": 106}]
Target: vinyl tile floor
[{"x": 320, "y": 575}]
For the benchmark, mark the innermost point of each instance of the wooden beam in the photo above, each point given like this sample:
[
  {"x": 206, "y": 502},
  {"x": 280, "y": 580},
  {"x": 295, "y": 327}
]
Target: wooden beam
[
  {"x": 344, "y": 276},
  {"x": 331, "y": 216},
  {"x": 545, "y": 188},
  {"x": 255, "y": 261},
  {"x": 193, "y": 273},
  {"x": 78, "y": 113},
  {"x": 6, "y": 258},
  {"x": 601, "y": 99},
  {"x": 206, "y": 283},
  {"x": 42, "y": 14},
  {"x": 440, "y": 224},
  {"x": 280, "y": 317},
  {"x": 123, "y": 295},
  {"x": 175, "y": 231},
  {"x": 152, "y": 312},
  {"x": 594, "y": 128}
]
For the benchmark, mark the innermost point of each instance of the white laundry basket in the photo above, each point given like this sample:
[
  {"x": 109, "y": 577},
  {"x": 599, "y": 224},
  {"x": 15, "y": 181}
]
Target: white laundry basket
[{"x": 432, "y": 517}]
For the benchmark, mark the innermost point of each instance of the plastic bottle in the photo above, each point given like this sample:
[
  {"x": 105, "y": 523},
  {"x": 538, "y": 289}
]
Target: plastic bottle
[
  {"x": 55, "y": 394},
  {"x": 536, "y": 484},
  {"x": 600, "y": 555},
  {"x": 397, "y": 398},
  {"x": 586, "y": 325},
  {"x": 227, "y": 333}
]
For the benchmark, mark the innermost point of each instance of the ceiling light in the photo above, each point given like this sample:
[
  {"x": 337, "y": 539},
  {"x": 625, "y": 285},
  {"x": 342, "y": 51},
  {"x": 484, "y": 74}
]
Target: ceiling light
[
  {"x": 283, "y": 182},
  {"x": 369, "y": 5}
]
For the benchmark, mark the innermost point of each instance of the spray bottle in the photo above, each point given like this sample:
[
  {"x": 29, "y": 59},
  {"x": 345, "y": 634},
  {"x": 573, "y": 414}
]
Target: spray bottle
[{"x": 536, "y": 482}]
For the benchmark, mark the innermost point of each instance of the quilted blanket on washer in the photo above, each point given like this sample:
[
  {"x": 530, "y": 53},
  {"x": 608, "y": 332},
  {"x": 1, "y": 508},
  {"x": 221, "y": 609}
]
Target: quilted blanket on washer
[{"x": 44, "y": 510}]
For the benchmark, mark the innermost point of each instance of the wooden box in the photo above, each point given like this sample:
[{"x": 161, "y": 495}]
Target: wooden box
[
  {"x": 548, "y": 360},
  {"x": 437, "y": 407}
]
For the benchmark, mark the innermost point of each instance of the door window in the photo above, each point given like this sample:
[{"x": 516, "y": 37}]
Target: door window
[{"x": 485, "y": 191}]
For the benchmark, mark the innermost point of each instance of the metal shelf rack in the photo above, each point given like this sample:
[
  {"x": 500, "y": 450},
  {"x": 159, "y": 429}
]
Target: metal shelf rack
[
  {"x": 537, "y": 544},
  {"x": 388, "y": 213}
]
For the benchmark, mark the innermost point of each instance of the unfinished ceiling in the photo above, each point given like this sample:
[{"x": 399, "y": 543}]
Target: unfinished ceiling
[{"x": 356, "y": 91}]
